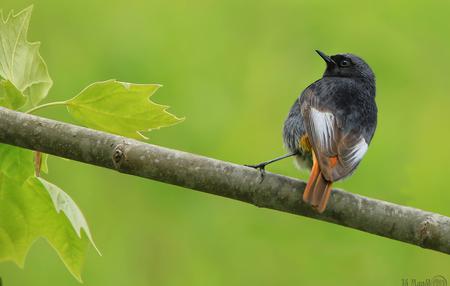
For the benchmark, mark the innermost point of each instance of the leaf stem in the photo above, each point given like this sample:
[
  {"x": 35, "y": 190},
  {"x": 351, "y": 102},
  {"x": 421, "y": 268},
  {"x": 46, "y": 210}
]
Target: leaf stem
[{"x": 46, "y": 105}]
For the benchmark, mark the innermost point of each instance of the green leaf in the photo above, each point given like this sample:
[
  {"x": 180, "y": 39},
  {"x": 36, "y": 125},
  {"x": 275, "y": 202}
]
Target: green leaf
[
  {"x": 44, "y": 163},
  {"x": 62, "y": 202},
  {"x": 31, "y": 208},
  {"x": 10, "y": 96},
  {"x": 120, "y": 108},
  {"x": 20, "y": 61}
]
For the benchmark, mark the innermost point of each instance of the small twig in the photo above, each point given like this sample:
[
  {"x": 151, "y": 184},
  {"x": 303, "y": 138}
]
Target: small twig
[
  {"x": 37, "y": 163},
  {"x": 36, "y": 108}
]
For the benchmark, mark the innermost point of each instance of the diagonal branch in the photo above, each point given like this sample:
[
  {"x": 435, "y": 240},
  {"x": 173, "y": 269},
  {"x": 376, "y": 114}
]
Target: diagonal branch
[{"x": 414, "y": 226}]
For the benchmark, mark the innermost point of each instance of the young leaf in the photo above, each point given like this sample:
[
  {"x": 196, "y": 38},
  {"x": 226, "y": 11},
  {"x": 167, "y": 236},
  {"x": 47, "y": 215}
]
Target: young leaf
[
  {"x": 28, "y": 211},
  {"x": 64, "y": 203},
  {"x": 120, "y": 108},
  {"x": 20, "y": 61},
  {"x": 10, "y": 97},
  {"x": 44, "y": 163}
]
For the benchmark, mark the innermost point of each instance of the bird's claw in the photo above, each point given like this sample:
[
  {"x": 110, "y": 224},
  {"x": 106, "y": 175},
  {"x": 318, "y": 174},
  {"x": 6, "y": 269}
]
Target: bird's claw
[
  {"x": 257, "y": 166},
  {"x": 262, "y": 169}
]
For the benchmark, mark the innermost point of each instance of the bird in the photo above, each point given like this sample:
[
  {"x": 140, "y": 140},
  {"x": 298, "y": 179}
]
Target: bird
[{"x": 330, "y": 125}]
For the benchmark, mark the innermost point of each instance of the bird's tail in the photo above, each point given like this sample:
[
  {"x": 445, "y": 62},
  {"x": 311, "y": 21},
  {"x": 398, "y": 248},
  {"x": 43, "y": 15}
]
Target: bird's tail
[{"x": 317, "y": 190}]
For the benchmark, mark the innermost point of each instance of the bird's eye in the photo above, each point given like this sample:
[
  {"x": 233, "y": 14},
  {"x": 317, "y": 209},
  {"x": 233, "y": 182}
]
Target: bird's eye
[{"x": 344, "y": 63}]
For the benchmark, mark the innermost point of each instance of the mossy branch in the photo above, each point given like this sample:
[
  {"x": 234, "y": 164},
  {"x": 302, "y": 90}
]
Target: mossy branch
[{"x": 410, "y": 225}]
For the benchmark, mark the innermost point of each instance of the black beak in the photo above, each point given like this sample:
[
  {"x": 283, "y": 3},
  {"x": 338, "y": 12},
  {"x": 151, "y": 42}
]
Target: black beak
[{"x": 326, "y": 58}]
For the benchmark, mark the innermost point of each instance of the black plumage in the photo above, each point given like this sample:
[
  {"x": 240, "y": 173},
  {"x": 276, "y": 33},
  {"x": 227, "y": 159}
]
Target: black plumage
[{"x": 333, "y": 120}]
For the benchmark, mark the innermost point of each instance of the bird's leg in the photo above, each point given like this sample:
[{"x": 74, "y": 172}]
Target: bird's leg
[{"x": 261, "y": 166}]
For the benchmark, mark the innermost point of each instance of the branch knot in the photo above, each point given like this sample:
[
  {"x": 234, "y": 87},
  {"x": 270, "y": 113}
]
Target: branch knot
[
  {"x": 427, "y": 231},
  {"x": 118, "y": 155}
]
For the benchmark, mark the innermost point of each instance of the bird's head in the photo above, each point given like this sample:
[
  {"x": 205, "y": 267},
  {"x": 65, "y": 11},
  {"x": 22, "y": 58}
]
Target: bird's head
[{"x": 347, "y": 65}]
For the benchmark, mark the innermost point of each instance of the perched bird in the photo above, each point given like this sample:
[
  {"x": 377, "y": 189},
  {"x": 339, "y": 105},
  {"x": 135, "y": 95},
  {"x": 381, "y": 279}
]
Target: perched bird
[{"x": 331, "y": 125}]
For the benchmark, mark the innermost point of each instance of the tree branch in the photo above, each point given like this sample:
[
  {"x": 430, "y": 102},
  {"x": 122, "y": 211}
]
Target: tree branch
[{"x": 414, "y": 226}]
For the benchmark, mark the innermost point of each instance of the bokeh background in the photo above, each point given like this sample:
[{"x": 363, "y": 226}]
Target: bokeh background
[{"x": 233, "y": 68}]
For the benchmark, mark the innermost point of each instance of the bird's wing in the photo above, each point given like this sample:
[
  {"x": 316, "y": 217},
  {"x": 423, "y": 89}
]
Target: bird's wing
[{"x": 338, "y": 152}]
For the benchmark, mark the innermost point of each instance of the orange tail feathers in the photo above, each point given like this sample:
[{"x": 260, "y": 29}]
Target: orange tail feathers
[
  {"x": 318, "y": 189},
  {"x": 321, "y": 193},
  {"x": 315, "y": 172}
]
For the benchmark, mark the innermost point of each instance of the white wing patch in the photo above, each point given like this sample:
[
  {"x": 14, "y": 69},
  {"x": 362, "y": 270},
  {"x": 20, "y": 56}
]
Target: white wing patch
[
  {"x": 330, "y": 141},
  {"x": 323, "y": 128},
  {"x": 355, "y": 154}
]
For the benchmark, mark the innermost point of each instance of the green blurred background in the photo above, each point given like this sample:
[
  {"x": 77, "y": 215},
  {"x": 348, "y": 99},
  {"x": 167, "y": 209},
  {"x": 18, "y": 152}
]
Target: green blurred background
[{"x": 234, "y": 68}]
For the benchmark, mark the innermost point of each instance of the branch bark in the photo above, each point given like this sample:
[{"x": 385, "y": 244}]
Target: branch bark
[{"x": 410, "y": 225}]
